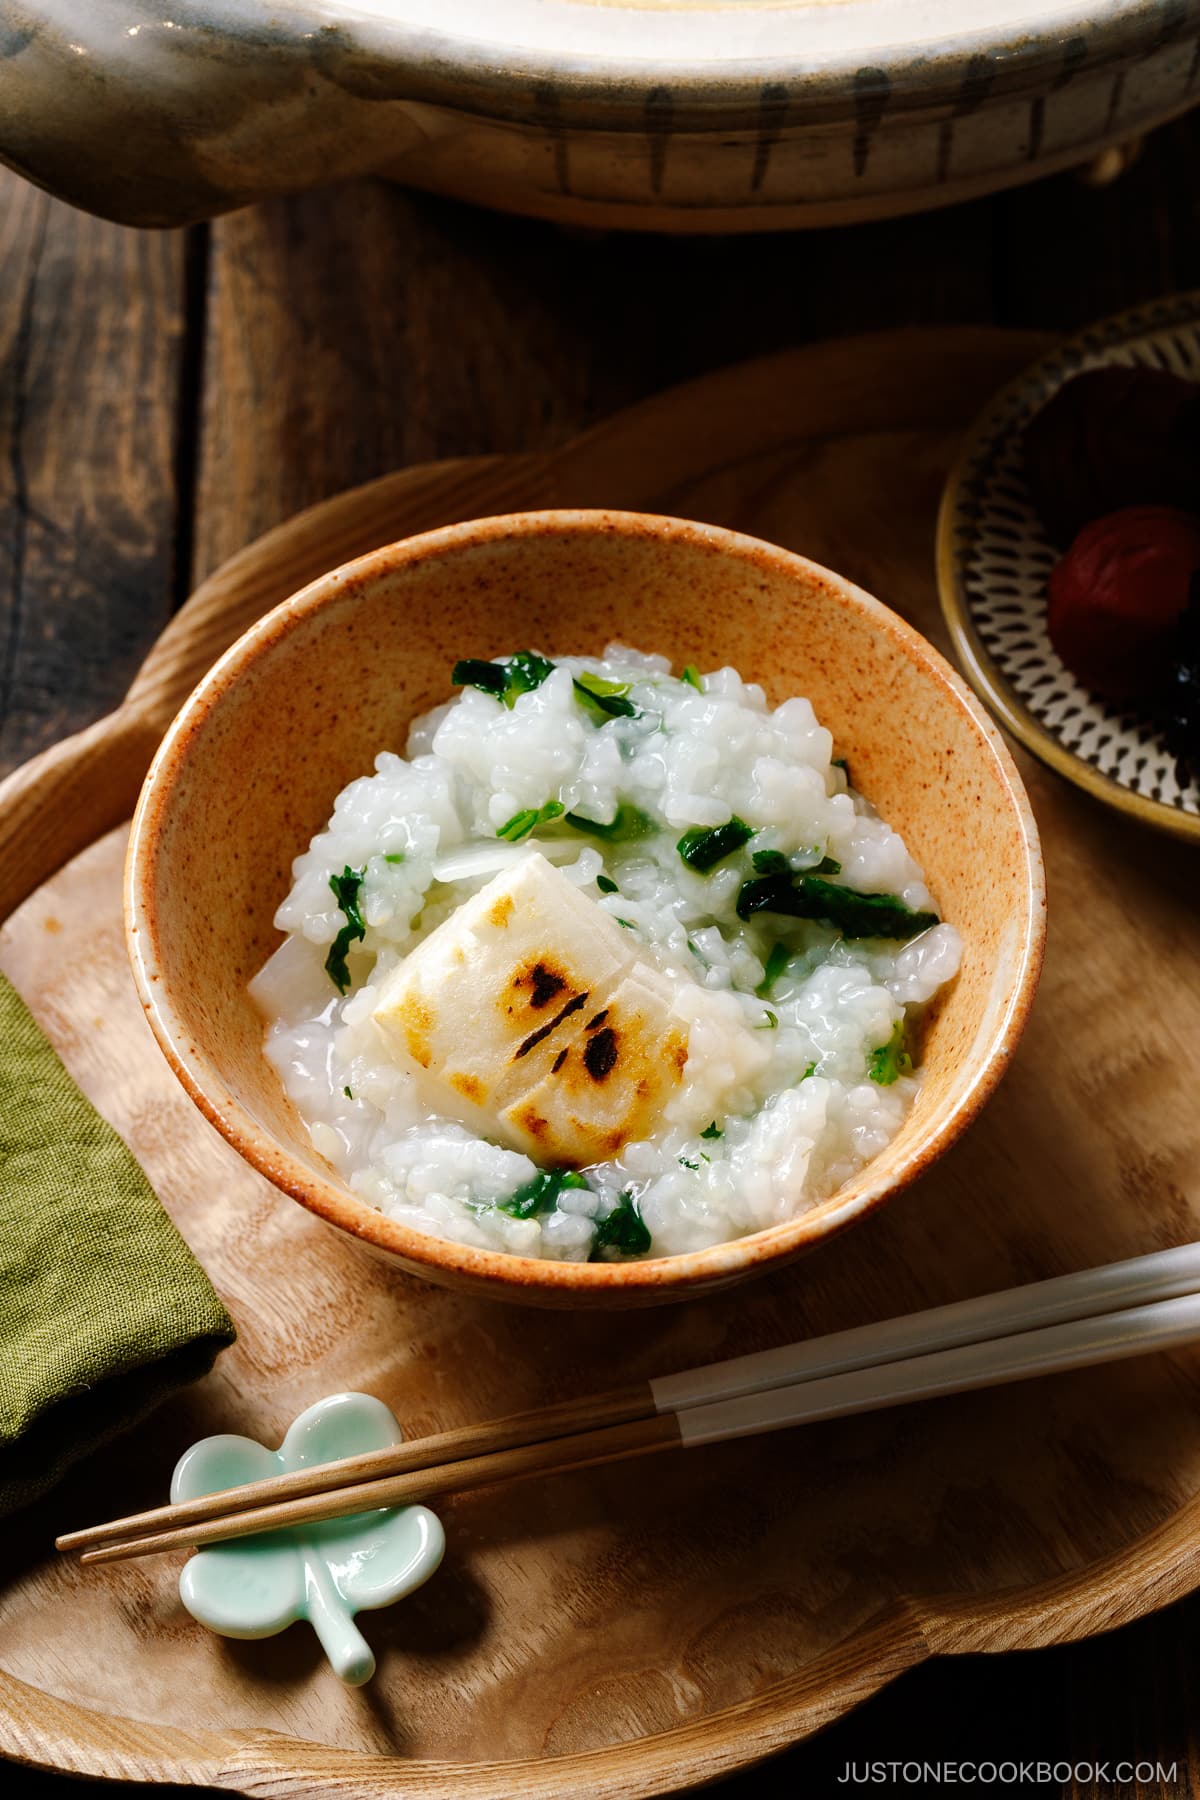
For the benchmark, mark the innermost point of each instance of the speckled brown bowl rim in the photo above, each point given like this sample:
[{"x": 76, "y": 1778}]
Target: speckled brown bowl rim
[{"x": 669, "y": 1277}]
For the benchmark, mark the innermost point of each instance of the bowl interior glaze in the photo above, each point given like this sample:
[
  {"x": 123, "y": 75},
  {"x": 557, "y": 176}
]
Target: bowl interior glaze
[{"x": 304, "y": 702}]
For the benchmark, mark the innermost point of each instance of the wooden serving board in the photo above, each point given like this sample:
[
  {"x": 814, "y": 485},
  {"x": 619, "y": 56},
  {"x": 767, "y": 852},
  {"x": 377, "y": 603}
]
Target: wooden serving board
[{"x": 604, "y": 1633}]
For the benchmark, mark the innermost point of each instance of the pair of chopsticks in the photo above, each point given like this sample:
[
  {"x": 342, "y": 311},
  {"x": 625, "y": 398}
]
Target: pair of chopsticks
[{"x": 1100, "y": 1315}]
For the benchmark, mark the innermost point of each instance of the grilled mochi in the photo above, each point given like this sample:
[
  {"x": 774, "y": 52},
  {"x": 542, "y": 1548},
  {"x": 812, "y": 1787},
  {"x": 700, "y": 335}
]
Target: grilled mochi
[{"x": 532, "y": 1006}]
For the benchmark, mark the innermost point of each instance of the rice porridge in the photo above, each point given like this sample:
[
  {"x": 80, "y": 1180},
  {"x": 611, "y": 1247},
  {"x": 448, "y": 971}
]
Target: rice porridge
[{"x": 610, "y": 963}]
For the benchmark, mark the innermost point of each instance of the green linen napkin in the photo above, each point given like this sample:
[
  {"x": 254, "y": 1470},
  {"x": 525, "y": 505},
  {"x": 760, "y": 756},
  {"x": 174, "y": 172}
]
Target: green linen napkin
[{"x": 103, "y": 1308}]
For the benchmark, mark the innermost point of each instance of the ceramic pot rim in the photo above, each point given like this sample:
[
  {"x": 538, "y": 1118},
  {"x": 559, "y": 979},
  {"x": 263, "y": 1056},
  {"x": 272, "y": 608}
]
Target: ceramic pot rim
[{"x": 644, "y": 66}]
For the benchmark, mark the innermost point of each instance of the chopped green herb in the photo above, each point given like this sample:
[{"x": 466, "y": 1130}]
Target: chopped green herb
[
  {"x": 695, "y": 949},
  {"x": 770, "y": 1022},
  {"x": 811, "y": 1070},
  {"x": 541, "y": 1194},
  {"x": 686, "y": 1164},
  {"x": 624, "y": 1230},
  {"x": 394, "y": 856},
  {"x": 691, "y": 675},
  {"x": 606, "y": 885},
  {"x": 855, "y": 915},
  {"x": 522, "y": 823},
  {"x": 712, "y": 1131},
  {"x": 488, "y": 677},
  {"x": 628, "y": 824},
  {"x": 828, "y": 865},
  {"x": 604, "y": 700},
  {"x": 627, "y": 923},
  {"x": 839, "y": 762},
  {"x": 703, "y": 847},
  {"x": 891, "y": 1060},
  {"x": 505, "y": 681},
  {"x": 345, "y": 888},
  {"x": 703, "y": 1158},
  {"x": 526, "y": 671},
  {"x": 347, "y": 1093},
  {"x": 776, "y": 963}
]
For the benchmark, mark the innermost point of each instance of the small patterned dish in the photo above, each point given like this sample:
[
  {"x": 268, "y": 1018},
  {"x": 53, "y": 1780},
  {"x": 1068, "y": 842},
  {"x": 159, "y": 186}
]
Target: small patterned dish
[{"x": 993, "y": 558}]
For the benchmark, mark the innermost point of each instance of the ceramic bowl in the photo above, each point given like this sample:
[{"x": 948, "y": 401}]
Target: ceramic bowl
[
  {"x": 305, "y": 700},
  {"x": 678, "y": 115}
]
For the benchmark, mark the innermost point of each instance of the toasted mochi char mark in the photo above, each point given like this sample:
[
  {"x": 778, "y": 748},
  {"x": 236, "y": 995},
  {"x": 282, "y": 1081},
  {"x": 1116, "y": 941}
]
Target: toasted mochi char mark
[
  {"x": 495, "y": 1000},
  {"x": 536, "y": 1037},
  {"x": 600, "y": 1054},
  {"x": 544, "y": 983}
]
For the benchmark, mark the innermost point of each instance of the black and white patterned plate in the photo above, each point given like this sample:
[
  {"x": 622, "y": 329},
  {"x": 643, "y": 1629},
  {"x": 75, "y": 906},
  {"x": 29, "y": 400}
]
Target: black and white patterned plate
[{"x": 993, "y": 561}]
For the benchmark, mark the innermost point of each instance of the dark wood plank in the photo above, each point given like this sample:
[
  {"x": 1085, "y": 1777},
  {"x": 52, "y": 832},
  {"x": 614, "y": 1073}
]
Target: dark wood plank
[
  {"x": 1068, "y": 253},
  {"x": 361, "y": 329},
  {"x": 91, "y": 323}
]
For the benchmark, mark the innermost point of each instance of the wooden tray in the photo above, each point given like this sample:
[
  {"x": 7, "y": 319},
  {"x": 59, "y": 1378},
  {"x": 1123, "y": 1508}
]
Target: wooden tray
[{"x": 603, "y": 1634}]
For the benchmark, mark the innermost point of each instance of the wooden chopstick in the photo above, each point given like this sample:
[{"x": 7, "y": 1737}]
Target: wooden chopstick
[
  {"x": 1076, "y": 1343},
  {"x": 1162, "y": 1275},
  {"x": 618, "y": 1406},
  {"x": 612, "y": 1444}
]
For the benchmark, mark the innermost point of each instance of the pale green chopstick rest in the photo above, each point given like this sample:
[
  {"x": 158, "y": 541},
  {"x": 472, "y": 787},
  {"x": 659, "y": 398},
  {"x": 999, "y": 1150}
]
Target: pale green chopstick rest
[
  {"x": 326, "y": 1571},
  {"x": 104, "y": 1311}
]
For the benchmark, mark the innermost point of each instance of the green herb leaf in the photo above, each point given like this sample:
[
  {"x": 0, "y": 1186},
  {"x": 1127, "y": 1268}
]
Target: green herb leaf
[
  {"x": 605, "y": 885},
  {"x": 347, "y": 1093},
  {"x": 703, "y": 847},
  {"x": 628, "y": 824},
  {"x": 541, "y": 1194},
  {"x": 526, "y": 671},
  {"x": 604, "y": 700},
  {"x": 684, "y": 1163},
  {"x": 624, "y": 1230},
  {"x": 505, "y": 681},
  {"x": 811, "y": 1070},
  {"x": 522, "y": 823},
  {"x": 770, "y": 1022},
  {"x": 828, "y": 865},
  {"x": 488, "y": 677},
  {"x": 627, "y": 923},
  {"x": 891, "y": 1060},
  {"x": 855, "y": 915},
  {"x": 776, "y": 963},
  {"x": 712, "y": 1131},
  {"x": 691, "y": 675},
  {"x": 345, "y": 888},
  {"x": 394, "y": 856}
]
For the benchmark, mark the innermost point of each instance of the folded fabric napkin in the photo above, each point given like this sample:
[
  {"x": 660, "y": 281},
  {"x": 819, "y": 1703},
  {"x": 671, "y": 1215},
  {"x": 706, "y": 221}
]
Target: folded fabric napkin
[{"x": 103, "y": 1308}]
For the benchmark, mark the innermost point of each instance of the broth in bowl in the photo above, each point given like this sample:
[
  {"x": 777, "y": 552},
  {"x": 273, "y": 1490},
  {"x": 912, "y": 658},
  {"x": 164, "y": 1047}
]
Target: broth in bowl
[{"x": 612, "y": 963}]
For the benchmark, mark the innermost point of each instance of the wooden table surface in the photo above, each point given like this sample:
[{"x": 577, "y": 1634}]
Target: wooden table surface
[{"x": 166, "y": 397}]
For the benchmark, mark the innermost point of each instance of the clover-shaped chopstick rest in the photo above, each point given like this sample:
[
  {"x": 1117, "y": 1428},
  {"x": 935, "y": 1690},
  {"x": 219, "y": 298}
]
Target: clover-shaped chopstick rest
[{"x": 254, "y": 1587}]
